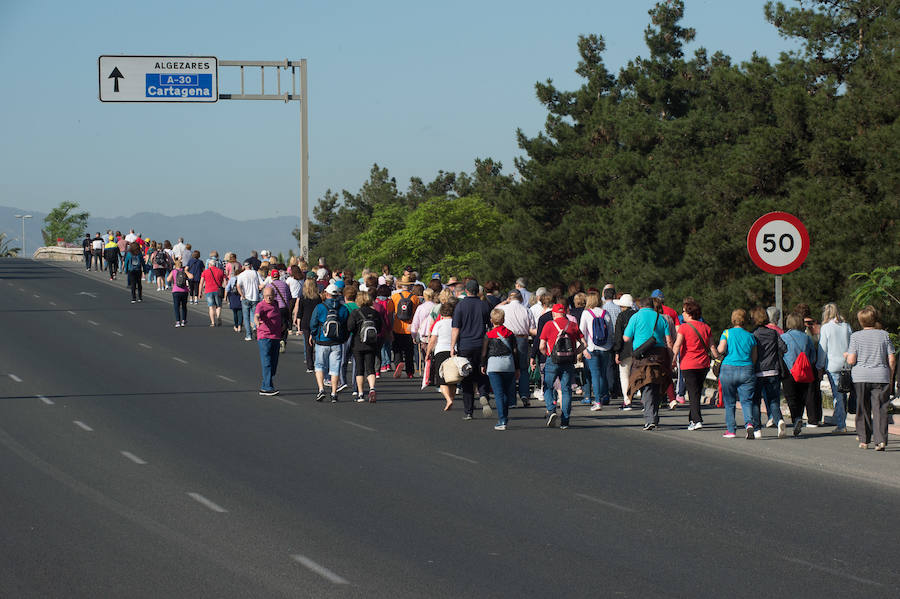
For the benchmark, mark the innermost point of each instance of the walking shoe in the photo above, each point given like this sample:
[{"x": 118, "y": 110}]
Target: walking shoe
[
  {"x": 552, "y": 419},
  {"x": 839, "y": 431},
  {"x": 649, "y": 427},
  {"x": 757, "y": 434},
  {"x": 334, "y": 398},
  {"x": 812, "y": 425},
  {"x": 247, "y": 339},
  {"x": 526, "y": 403},
  {"x": 485, "y": 406},
  {"x": 133, "y": 301},
  {"x": 881, "y": 447},
  {"x": 626, "y": 407},
  {"x": 378, "y": 375},
  {"x": 750, "y": 432},
  {"x": 372, "y": 396},
  {"x": 320, "y": 396},
  {"x": 341, "y": 387},
  {"x": 359, "y": 398},
  {"x": 177, "y": 324},
  {"x": 698, "y": 426},
  {"x": 727, "y": 435},
  {"x": 563, "y": 424},
  {"x": 863, "y": 445},
  {"x": 770, "y": 423},
  {"x": 309, "y": 370},
  {"x": 500, "y": 427},
  {"x": 596, "y": 406},
  {"x": 398, "y": 371},
  {"x": 605, "y": 402},
  {"x": 586, "y": 401},
  {"x": 691, "y": 426},
  {"x": 797, "y": 427},
  {"x": 269, "y": 393},
  {"x": 782, "y": 429},
  {"x": 281, "y": 346},
  {"x": 409, "y": 375},
  {"x": 468, "y": 417},
  {"x": 680, "y": 399}
]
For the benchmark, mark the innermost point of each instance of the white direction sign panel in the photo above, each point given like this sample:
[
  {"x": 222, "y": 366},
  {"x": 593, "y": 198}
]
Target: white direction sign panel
[{"x": 158, "y": 78}]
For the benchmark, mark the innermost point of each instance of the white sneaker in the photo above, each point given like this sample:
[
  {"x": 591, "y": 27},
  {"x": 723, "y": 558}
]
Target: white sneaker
[
  {"x": 782, "y": 429},
  {"x": 596, "y": 406},
  {"x": 811, "y": 425},
  {"x": 757, "y": 434},
  {"x": 691, "y": 426},
  {"x": 698, "y": 426},
  {"x": 770, "y": 423}
]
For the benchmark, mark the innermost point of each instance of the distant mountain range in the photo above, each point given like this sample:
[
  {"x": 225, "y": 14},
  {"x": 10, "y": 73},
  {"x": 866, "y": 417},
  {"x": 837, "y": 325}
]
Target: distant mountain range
[{"x": 205, "y": 231}]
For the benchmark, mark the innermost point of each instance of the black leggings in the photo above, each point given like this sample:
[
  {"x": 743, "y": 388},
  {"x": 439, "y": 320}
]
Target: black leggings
[
  {"x": 795, "y": 393},
  {"x": 179, "y": 299},
  {"x": 365, "y": 362},
  {"x": 134, "y": 281},
  {"x": 194, "y": 286},
  {"x": 693, "y": 383}
]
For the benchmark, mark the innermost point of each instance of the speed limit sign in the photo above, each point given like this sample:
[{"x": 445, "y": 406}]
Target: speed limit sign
[{"x": 778, "y": 243}]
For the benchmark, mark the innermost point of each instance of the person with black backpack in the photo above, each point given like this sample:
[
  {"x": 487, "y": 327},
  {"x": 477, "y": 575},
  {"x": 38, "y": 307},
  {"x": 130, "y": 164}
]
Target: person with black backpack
[
  {"x": 561, "y": 341},
  {"x": 328, "y": 331},
  {"x": 404, "y": 303},
  {"x": 364, "y": 325},
  {"x": 134, "y": 267}
]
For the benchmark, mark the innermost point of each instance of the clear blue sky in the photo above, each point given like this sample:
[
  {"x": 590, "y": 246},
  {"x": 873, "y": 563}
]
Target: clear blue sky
[{"x": 413, "y": 86}]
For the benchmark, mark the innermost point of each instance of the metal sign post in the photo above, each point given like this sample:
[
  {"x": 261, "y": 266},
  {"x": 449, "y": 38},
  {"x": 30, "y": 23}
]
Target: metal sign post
[
  {"x": 778, "y": 243},
  {"x": 196, "y": 79}
]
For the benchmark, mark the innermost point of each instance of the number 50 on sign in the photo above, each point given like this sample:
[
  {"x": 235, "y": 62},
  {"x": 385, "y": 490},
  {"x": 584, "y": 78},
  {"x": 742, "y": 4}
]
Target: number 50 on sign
[{"x": 778, "y": 243}]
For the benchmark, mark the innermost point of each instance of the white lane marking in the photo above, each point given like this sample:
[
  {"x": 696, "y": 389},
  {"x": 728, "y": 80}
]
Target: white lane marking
[
  {"x": 207, "y": 503},
  {"x": 177, "y": 359},
  {"x": 833, "y": 571},
  {"x": 357, "y": 425},
  {"x": 93, "y": 323},
  {"x": 117, "y": 333},
  {"x": 287, "y": 401},
  {"x": 457, "y": 457},
  {"x": 52, "y": 303},
  {"x": 319, "y": 569},
  {"x": 145, "y": 346},
  {"x": 36, "y": 296},
  {"x": 70, "y": 312},
  {"x": 604, "y": 502},
  {"x": 14, "y": 377},
  {"x": 20, "y": 289},
  {"x": 88, "y": 294},
  {"x": 82, "y": 426},
  {"x": 49, "y": 402},
  {"x": 225, "y": 378},
  {"x": 10, "y": 284},
  {"x": 133, "y": 458}
]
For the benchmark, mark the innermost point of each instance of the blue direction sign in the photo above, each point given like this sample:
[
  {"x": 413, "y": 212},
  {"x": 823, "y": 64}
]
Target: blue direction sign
[{"x": 158, "y": 78}]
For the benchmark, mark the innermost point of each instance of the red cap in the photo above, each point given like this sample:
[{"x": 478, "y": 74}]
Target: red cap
[{"x": 559, "y": 308}]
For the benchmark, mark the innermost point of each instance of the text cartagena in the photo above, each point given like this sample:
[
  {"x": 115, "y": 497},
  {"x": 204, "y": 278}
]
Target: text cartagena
[{"x": 175, "y": 64}]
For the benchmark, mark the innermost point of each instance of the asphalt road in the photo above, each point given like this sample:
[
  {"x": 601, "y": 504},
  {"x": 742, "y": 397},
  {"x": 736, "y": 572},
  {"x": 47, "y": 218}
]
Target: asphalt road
[{"x": 137, "y": 460}]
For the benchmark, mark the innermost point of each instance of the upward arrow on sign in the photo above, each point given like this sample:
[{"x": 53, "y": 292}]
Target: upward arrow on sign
[{"x": 116, "y": 75}]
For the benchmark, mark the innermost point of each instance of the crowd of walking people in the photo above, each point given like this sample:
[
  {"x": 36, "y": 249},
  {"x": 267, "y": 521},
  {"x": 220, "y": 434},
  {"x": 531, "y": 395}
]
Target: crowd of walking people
[{"x": 552, "y": 345}]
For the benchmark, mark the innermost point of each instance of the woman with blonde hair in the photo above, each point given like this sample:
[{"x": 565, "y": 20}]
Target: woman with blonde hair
[
  {"x": 303, "y": 310},
  {"x": 737, "y": 375},
  {"x": 834, "y": 339},
  {"x": 871, "y": 354}
]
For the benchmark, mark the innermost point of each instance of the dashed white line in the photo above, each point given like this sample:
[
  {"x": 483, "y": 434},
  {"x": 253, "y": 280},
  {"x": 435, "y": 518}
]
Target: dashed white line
[
  {"x": 82, "y": 426},
  {"x": 287, "y": 401},
  {"x": 604, "y": 502},
  {"x": 52, "y": 303},
  {"x": 207, "y": 503},
  {"x": 145, "y": 346},
  {"x": 357, "y": 425},
  {"x": 14, "y": 377},
  {"x": 133, "y": 458},
  {"x": 70, "y": 312},
  {"x": 20, "y": 289},
  {"x": 319, "y": 569},
  {"x": 94, "y": 323},
  {"x": 177, "y": 359},
  {"x": 36, "y": 296},
  {"x": 832, "y": 571},
  {"x": 225, "y": 378},
  {"x": 49, "y": 402},
  {"x": 457, "y": 457},
  {"x": 117, "y": 333}
]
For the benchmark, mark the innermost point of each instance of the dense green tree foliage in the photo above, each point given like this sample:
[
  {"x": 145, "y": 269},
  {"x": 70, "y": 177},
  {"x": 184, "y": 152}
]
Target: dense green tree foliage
[
  {"x": 63, "y": 223},
  {"x": 652, "y": 177}
]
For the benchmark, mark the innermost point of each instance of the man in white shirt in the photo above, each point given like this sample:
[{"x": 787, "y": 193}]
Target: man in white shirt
[
  {"x": 131, "y": 237},
  {"x": 520, "y": 320},
  {"x": 178, "y": 248},
  {"x": 248, "y": 285}
]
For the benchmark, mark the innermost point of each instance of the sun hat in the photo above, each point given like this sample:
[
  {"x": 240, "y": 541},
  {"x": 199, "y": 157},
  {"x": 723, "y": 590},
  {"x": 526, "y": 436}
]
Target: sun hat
[
  {"x": 332, "y": 290},
  {"x": 626, "y": 301}
]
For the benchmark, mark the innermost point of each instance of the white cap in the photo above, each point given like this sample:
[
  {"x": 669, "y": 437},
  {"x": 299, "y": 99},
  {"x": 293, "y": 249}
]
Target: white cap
[
  {"x": 626, "y": 301},
  {"x": 332, "y": 290}
]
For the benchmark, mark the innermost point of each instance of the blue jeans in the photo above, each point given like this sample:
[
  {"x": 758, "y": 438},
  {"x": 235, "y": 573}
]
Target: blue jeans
[
  {"x": 524, "y": 349},
  {"x": 738, "y": 384},
  {"x": 386, "y": 352},
  {"x": 599, "y": 367},
  {"x": 329, "y": 359},
  {"x": 504, "y": 386},
  {"x": 840, "y": 401},
  {"x": 768, "y": 389},
  {"x": 564, "y": 372},
  {"x": 268, "y": 358},
  {"x": 248, "y": 308}
]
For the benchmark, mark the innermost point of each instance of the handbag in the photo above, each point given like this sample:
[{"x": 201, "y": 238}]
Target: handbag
[
  {"x": 845, "y": 381},
  {"x": 717, "y": 363},
  {"x": 641, "y": 351}
]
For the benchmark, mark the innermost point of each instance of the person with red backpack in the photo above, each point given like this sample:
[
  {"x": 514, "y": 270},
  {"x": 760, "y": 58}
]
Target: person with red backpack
[
  {"x": 404, "y": 303},
  {"x": 799, "y": 356},
  {"x": 561, "y": 342}
]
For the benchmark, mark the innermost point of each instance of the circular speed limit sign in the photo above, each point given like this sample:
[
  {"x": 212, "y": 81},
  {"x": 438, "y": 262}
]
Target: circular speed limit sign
[{"x": 778, "y": 243}]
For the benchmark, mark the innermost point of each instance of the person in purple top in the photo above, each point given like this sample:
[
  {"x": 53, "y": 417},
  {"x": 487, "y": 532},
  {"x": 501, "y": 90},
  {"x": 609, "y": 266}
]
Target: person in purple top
[
  {"x": 283, "y": 299},
  {"x": 269, "y": 325}
]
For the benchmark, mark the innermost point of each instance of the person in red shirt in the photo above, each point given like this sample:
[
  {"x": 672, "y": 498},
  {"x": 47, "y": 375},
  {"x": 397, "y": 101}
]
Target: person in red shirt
[
  {"x": 561, "y": 342},
  {"x": 692, "y": 347},
  {"x": 211, "y": 281}
]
